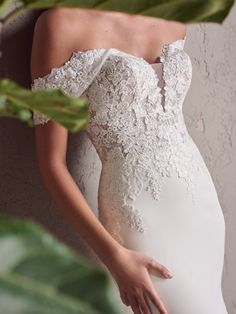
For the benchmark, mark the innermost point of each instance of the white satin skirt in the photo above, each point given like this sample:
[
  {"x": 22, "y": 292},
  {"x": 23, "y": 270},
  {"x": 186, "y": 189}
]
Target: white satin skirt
[{"x": 188, "y": 240}]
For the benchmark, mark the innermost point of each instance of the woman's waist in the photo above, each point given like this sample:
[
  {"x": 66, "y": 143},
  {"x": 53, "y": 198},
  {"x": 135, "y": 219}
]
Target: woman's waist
[
  {"x": 137, "y": 167},
  {"x": 146, "y": 147}
]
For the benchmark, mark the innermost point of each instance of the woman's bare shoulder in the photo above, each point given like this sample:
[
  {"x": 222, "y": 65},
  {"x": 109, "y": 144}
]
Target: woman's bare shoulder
[
  {"x": 53, "y": 41},
  {"x": 177, "y": 29},
  {"x": 60, "y": 14},
  {"x": 69, "y": 20}
]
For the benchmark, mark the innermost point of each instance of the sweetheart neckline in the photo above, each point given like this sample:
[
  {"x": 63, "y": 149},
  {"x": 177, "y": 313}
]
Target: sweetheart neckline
[
  {"x": 130, "y": 54},
  {"x": 74, "y": 53}
]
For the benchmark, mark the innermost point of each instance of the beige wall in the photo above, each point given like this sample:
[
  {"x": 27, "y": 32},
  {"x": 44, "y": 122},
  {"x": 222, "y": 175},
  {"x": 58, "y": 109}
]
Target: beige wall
[{"x": 210, "y": 115}]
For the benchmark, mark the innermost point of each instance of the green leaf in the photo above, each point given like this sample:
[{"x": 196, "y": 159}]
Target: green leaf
[
  {"x": 40, "y": 275},
  {"x": 71, "y": 112},
  {"x": 187, "y": 11},
  {"x": 2, "y": 102},
  {"x": 4, "y": 4}
]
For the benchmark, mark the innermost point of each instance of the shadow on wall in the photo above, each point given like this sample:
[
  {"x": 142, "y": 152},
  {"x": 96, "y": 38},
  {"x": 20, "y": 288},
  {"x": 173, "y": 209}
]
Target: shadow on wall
[
  {"x": 22, "y": 192},
  {"x": 16, "y": 48}
]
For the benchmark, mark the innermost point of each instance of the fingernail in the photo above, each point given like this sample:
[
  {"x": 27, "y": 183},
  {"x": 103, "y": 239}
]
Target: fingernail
[{"x": 169, "y": 275}]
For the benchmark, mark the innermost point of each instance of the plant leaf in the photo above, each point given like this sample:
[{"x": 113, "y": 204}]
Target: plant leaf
[
  {"x": 71, "y": 112},
  {"x": 39, "y": 275},
  {"x": 187, "y": 11},
  {"x": 4, "y": 4}
]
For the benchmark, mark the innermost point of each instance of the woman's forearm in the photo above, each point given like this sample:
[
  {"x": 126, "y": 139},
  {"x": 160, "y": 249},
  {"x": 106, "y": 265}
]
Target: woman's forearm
[{"x": 68, "y": 198}]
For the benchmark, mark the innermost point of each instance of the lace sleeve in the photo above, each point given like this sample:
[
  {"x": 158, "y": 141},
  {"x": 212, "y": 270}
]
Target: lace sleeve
[
  {"x": 37, "y": 117},
  {"x": 40, "y": 118},
  {"x": 73, "y": 77}
]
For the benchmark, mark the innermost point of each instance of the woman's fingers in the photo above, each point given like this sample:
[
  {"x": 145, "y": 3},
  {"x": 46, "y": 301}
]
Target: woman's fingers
[
  {"x": 144, "y": 305},
  {"x": 124, "y": 298},
  {"x": 155, "y": 268},
  {"x": 135, "y": 304},
  {"x": 154, "y": 297},
  {"x": 131, "y": 271}
]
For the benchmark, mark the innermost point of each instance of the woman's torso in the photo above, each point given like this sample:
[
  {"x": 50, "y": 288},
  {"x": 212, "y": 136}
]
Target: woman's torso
[{"x": 136, "y": 120}]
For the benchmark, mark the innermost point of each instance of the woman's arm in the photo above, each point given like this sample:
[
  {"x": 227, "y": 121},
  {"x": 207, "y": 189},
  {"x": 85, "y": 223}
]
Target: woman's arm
[
  {"x": 129, "y": 268},
  {"x": 51, "y": 144}
]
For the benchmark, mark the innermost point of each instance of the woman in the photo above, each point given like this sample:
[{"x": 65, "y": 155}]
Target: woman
[{"x": 160, "y": 230}]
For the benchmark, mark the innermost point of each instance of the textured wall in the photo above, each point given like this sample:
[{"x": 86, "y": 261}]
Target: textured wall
[{"x": 210, "y": 116}]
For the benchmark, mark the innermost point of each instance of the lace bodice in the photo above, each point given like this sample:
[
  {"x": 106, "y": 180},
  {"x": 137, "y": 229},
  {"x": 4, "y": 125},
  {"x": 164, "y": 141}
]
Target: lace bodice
[{"x": 136, "y": 121}]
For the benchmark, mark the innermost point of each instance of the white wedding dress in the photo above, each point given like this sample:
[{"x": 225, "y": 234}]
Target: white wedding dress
[{"x": 156, "y": 194}]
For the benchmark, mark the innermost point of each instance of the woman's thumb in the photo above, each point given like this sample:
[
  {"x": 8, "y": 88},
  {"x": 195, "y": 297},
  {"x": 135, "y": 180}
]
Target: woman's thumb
[{"x": 156, "y": 268}]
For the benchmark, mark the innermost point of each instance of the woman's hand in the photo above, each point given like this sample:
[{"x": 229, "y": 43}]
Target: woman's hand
[{"x": 131, "y": 270}]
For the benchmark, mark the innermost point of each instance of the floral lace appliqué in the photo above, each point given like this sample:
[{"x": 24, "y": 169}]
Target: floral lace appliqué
[{"x": 136, "y": 126}]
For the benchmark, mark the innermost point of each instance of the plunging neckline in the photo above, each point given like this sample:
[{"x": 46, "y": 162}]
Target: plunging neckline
[{"x": 76, "y": 52}]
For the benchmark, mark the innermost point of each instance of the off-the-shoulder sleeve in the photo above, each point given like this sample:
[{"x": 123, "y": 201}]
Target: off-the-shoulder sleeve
[
  {"x": 39, "y": 118},
  {"x": 73, "y": 77}
]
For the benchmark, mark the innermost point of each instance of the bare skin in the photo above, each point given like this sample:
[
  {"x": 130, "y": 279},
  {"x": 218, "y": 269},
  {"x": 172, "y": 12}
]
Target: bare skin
[{"x": 59, "y": 32}]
